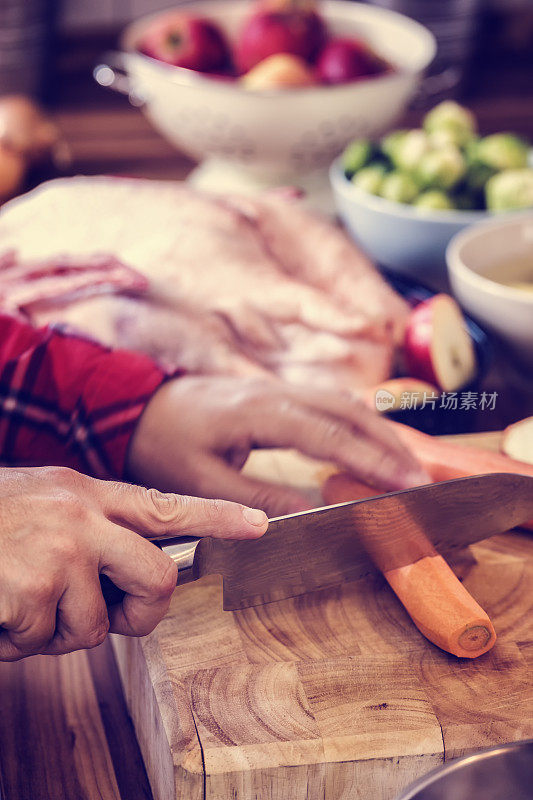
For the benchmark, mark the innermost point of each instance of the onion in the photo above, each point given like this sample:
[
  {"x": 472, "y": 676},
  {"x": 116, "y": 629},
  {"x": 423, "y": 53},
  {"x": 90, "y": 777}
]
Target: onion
[
  {"x": 12, "y": 171},
  {"x": 26, "y": 130}
]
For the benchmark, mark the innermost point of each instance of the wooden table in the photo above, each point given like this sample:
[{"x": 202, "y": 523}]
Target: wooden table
[{"x": 65, "y": 733}]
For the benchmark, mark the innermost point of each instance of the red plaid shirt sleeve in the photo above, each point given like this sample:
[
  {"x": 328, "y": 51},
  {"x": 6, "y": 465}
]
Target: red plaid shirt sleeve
[{"x": 66, "y": 400}]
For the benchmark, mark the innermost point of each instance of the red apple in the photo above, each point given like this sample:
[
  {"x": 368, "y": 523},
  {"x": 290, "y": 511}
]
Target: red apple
[
  {"x": 344, "y": 60},
  {"x": 186, "y": 41},
  {"x": 389, "y": 395},
  {"x": 269, "y": 32},
  {"x": 438, "y": 347},
  {"x": 280, "y": 70}
]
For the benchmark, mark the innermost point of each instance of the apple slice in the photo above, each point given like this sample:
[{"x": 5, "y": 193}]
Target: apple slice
[
  {"x": 517, "y": 441},
  {"x": 438, "y": 347},
  {"x": 388, "y": 395}
]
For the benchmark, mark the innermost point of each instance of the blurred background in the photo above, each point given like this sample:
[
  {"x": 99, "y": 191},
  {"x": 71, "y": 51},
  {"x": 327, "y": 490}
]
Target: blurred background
[
  {"x": 48, "y": 49},
  {"x": 41, "y": 37}
]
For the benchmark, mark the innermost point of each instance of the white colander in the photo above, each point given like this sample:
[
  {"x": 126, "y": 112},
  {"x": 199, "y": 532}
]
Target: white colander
[{"x": 274, "y": 136}]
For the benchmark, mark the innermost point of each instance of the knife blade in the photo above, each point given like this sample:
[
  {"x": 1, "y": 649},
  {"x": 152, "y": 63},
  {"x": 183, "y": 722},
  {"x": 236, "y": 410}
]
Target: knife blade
[{"x": 327, "y": 546}]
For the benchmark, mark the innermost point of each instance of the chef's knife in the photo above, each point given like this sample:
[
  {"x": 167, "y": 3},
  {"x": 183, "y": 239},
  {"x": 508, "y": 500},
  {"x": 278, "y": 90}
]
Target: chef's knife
[{"x": 315, "y": 549}]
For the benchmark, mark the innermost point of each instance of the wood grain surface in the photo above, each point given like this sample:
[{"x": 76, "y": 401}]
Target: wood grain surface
[{"x": 332, "y": 695}]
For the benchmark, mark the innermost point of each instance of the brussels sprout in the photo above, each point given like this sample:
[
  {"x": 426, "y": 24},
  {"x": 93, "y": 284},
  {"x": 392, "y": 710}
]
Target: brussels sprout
[
  {"x": 407, "y": 148},
  {"x": 357, "y": 155},
  {"x": 510, "y": 190},
  {"x": 399, "y": 187},
  {"x": 433, "y": 199},
  {"x": 369, "y": 179},
  {"x": 477, "y": 175},
  {"x": 390, "y": 141},
  {"x": 502, "y": 151},
  {"x": 450, "y": 123},
  {"x": 441, "y": 169},
  {"x": 470, "y": 150},
  {"x": 444, "y": 137}
]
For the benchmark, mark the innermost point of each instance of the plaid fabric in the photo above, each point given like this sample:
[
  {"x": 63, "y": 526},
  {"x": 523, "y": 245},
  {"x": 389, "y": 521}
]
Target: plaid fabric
[{"x": 66, "y": 400}]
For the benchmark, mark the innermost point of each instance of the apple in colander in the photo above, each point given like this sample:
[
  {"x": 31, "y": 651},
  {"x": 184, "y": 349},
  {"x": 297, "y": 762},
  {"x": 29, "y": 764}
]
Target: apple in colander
[
  {"x": 293, "y": 27},
  {"x": 184, "y": 40}
]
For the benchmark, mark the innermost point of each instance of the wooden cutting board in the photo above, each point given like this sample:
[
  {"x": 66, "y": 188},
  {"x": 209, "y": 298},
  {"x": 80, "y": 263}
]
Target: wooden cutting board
[{"x": 331, "y": 696}]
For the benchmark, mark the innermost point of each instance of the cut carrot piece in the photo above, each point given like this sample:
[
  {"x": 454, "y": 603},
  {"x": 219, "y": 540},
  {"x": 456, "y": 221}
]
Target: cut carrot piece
[{"x": 441, "y": 608}]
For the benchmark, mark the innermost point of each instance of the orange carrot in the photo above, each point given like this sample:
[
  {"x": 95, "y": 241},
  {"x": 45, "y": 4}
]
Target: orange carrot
[
  {"x": 441, "y": 608},
  {"x": 447, "y": 460},
  {"x": 341, "y": 488},
  {"x": 443, "y": 460},
  {"x": 435, "y": 599}
]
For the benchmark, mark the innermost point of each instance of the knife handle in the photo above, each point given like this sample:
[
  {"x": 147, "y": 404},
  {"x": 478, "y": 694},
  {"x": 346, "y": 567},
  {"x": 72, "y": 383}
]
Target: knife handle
[{"x": 181, "y": 550}]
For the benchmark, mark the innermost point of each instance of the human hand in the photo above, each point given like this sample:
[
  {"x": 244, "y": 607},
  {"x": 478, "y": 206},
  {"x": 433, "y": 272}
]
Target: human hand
[
  {"x": 197, "y": 432},
  {"x": 59, "y": 530}
]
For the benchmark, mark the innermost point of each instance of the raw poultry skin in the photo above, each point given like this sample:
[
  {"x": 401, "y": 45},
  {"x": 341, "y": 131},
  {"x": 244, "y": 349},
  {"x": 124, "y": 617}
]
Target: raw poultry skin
[{"x": 236, "y": 286}]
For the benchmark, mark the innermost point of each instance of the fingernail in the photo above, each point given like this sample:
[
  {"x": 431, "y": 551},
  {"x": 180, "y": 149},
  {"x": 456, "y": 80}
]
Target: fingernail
[{"x": 254, "y": 516}]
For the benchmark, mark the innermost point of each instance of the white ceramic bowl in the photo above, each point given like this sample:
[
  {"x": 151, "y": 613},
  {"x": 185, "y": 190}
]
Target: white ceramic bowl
[
  {"x": 399, "y": 236},
  {"x": 286, "y": 131},
  {"x": 482, "y": 256}
]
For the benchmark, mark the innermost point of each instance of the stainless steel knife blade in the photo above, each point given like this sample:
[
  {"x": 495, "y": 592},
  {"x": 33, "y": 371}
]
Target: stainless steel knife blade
[{"x": 315, "y": 549}]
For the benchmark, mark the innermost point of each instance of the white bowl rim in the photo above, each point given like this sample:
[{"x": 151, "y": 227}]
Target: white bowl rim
[
  {"x": 182, "y": 75},
  {"x": 381, "y": 204},
  {"x": 458, "y": 267}
]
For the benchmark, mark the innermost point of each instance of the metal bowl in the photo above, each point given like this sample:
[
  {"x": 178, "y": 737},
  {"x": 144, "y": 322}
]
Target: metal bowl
[{"x": 501, "y": 773}]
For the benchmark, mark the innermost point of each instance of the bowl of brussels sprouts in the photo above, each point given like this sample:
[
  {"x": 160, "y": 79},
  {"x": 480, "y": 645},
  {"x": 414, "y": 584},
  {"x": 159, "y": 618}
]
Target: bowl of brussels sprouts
[{"x": 404, "y": 197}]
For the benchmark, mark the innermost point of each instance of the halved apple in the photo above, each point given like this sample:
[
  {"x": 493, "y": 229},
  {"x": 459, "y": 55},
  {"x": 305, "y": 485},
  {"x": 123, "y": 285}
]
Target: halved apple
[
  {"x": 398, "y": 393},
  {"x": 517, "y": 440},
  {"x": 438, "y": 347}
]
